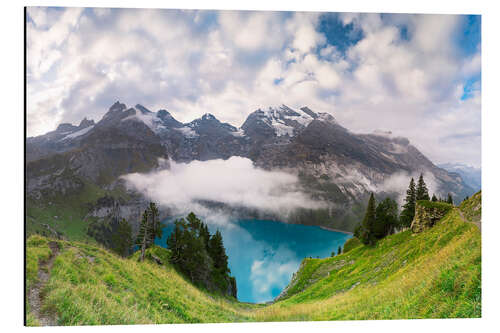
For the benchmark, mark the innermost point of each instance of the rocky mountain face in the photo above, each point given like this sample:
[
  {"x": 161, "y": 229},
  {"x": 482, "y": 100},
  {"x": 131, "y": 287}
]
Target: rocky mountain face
[
  {"x": 333, "y": 164},
  {"x": 90, "y": 162},
  {"x": 64, "y": 138}
]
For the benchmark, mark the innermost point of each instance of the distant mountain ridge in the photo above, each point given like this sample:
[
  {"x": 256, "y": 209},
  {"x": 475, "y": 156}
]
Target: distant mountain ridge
[
  {"x": 333, "y": 164},
  {"x": 470, "y": 175}
]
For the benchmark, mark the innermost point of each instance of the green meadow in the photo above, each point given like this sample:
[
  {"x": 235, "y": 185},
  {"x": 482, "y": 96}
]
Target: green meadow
[{"x": 433, "y": 274}]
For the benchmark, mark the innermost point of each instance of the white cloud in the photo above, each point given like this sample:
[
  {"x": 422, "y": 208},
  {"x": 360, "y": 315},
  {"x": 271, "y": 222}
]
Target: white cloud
[
  {"x": 432, "y": 32},
  {"x": 102, "y": 12},
  {"x": 235, "y": 182},
  {"x": 43, "y": 43},
  {"x": 399, "y": 182},
  {"x": 227, "y": 63},
  {"x": 252, "y": 31}
]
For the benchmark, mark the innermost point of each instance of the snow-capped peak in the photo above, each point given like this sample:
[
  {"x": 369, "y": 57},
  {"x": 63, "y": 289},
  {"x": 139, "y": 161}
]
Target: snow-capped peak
[
  {"x": 208, "y": 116},
  {"x": 285, "y": 120}
]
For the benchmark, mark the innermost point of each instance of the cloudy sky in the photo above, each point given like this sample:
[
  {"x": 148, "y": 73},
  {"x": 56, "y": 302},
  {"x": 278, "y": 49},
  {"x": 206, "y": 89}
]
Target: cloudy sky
[{"x": 418, "y": 76}]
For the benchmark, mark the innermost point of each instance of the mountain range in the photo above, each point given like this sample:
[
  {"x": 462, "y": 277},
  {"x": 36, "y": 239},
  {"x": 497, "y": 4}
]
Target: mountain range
[
  {"x": 470, "y": 174},
  {"x": 332, "y": 163}
]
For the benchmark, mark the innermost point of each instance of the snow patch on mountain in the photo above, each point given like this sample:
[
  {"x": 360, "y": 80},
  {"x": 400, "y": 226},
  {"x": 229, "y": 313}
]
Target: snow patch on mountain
[
  {"x": 239, "y": 133},
  {"x": 281, "y": 129},
  {"x": 188, "y": 132},
  {"x": 150, "y": 119},
  {"x": 77, "y": 133},
  {"x": 147, "y": 119},
  {"x": 388, "y": 157},
  {"x": 284, "y": 120},
  {"x": 304, "y": 120}
]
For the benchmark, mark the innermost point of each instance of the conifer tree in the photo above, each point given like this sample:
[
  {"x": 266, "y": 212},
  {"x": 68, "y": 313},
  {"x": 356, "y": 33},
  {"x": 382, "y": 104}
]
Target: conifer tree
[
  {"x": 339, "y": 251},
  {"x": 221, "y": 270},
  {"x": 386, "y": 219},
  {"x": 144, "y": 236},
  {"x": 367, "y": 226},
  {"x": 234, "y": 288},
  {"x": 174, "y": 242},
  {"x": 196, "y": 260},
  {"x": 422, "y": 192},
  {"x": 408, "y": 212},
  {"x": 194, "y": 223},
  {"x": 200, "y": 256},
  {"x": 149, "y": 229},
  {"x": 205, "y": 235},
  {"x": 450, "y": 199},
  {"x": 434, "y": 199},
  {"x": 218, "y": 253}
]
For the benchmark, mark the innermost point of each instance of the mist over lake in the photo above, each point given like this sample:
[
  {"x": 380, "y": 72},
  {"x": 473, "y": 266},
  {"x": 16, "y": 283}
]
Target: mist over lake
[{"x": 264, "y": 254}]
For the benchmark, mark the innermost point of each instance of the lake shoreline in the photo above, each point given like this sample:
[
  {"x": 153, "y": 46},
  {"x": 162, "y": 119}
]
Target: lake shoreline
[{"x": 336, "y": 230}]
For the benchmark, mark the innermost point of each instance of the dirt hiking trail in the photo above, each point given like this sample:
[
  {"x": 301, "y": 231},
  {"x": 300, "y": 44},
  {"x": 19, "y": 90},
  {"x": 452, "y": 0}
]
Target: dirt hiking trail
[
  {"x": 478, "y": 224},
  {"x": 35, "y": 298}
]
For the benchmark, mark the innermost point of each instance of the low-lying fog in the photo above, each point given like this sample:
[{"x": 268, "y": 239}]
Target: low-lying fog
[{"x": 235, "y": 182}]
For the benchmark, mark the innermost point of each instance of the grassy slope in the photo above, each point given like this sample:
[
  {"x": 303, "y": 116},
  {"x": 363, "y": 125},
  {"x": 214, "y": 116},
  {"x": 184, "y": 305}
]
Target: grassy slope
[
  {"x": 472, "y": 208},
  {"x": 89, "y": 285},
  {"x": 435, "y": 274},
  {"x": 66, "y": 213}
]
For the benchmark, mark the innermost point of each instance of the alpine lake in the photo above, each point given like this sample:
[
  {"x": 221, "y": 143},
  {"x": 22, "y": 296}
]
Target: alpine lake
[{"x": 263, "y": 254}]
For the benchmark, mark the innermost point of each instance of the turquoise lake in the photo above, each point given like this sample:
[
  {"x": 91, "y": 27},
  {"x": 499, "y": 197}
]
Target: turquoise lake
[{"x": 263, "y": 254}]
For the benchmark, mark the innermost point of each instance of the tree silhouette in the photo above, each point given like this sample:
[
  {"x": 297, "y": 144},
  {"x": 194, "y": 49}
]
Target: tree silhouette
[{"x": 408, "y": 212}]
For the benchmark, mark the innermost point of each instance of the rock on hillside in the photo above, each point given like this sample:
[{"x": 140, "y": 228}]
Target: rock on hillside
[
  {"x": 471, "y": 208},
  {"x": 427, "y": 213}
]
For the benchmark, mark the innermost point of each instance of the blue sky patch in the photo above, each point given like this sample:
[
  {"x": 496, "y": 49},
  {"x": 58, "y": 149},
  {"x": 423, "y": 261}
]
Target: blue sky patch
[
  {"x": 471, "y": 85},
  {"x": 278, "y": 81},
  {"x": 469, "y": 39},
  {"x": 337, "y": 34}
]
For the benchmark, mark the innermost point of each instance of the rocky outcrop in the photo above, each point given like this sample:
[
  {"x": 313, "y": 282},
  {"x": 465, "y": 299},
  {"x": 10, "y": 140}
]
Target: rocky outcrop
[
  {"x": 427, "y": 213},
  {"x": 108, "y": 208}
]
